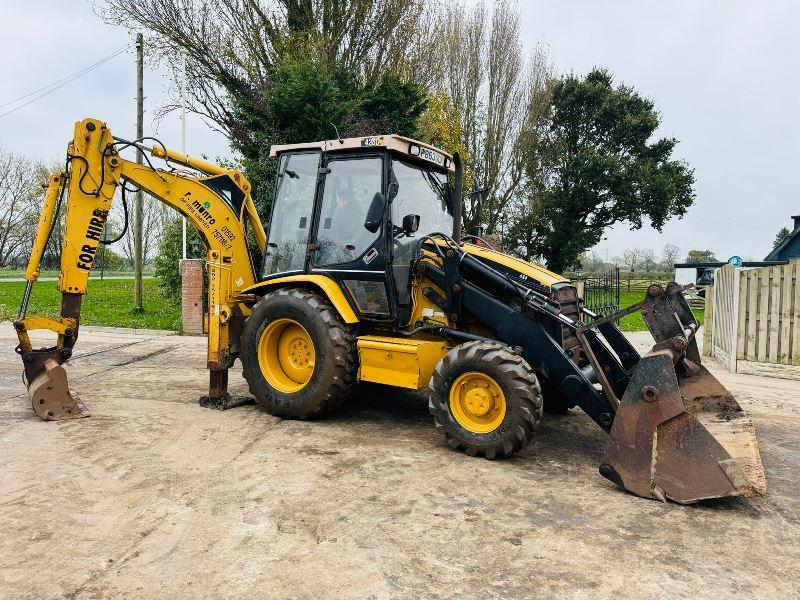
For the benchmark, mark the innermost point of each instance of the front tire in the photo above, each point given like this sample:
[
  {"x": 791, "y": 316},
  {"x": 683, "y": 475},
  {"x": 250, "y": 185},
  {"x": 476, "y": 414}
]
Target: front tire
[
  {"x": 485, "y": 399},
  {"x": 298, "y": 357}
]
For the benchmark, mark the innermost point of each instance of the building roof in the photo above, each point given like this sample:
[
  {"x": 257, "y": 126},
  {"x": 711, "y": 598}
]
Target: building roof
[
  {"x": 790, "y": 247},
  {"x": 414, "y": 148}
]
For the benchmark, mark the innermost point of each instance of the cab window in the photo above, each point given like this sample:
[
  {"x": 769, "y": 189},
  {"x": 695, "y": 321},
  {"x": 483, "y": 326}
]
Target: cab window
[
  {"x": 292, "y": 210},
  {"x": 349, "y": 189},
  {"x": 419, "y": 192}
]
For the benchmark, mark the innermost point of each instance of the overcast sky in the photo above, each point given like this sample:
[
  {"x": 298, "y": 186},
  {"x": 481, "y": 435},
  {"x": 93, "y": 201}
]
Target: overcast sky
[{"x": 723, "y": 75}]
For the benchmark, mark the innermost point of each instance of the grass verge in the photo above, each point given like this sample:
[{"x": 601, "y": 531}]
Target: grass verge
[
  {"x": 635, "y": 322},
  {"x": 95, "y": 274},
  {"x": 108, "y": 302}
]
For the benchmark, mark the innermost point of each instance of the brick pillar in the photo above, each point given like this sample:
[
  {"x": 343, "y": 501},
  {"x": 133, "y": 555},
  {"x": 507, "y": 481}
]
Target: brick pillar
[{"x": 192, "y": 296}]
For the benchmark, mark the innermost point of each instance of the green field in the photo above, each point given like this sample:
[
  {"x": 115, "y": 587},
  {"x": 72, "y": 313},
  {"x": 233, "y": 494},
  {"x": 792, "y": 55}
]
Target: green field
[
  {"x": 634, "y": 322},
  {"x": 95, "y": 274},
  {"x": 108, "y": 302}
]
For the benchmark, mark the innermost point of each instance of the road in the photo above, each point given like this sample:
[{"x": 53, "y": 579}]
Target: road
[{"x": 156, "y": 497}]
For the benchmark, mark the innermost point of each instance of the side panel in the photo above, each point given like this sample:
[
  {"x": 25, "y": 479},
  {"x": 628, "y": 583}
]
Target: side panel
[{"x": 398, "y": 362}]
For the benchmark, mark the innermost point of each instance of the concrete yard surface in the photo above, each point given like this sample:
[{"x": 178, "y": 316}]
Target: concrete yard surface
[{"x": 156, "y": 497}]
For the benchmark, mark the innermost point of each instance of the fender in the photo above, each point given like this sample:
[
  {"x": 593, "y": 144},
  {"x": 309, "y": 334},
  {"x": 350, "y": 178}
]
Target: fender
[{"x": 328, "y": 287}]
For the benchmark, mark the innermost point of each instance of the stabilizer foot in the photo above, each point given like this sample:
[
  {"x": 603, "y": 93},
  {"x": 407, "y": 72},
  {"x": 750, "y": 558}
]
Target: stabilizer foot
[{"x": 226, "y": 401}]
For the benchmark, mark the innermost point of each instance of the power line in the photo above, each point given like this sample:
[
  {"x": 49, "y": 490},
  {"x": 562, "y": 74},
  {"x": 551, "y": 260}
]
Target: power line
[
  {"x": 57, "y": 85},
  {"x": 713, "y": 221}
]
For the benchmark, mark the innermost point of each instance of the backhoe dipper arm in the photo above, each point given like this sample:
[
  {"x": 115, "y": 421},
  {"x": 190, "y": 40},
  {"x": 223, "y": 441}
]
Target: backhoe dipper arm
[{"x": 218, "y": 204}]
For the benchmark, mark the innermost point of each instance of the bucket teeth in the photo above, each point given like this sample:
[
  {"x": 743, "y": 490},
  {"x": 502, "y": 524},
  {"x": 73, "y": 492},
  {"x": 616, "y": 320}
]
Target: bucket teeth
[
  {"x": 660, "y": 448},
  {"x": 51, "y": 397}
]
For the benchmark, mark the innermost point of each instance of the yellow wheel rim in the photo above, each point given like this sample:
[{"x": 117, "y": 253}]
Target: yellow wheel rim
[
  {"x": 477, "y": 402},
  {"x": 286, "y": 355}
]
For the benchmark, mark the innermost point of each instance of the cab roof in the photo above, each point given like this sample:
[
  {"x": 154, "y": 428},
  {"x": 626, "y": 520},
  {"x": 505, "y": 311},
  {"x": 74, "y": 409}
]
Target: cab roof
[{"x": 396, "y": 143}]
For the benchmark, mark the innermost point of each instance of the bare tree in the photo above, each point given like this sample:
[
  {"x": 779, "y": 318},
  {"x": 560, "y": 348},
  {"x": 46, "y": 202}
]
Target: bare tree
[
  {"x": 497, "y": 91},
  {"x": 592, "y": 262},
  {"x": 631, "y": 258},
  {"x": 231, "y": 45},
  {"x": 669, "y": 256},
  {"x": 155, "y": 215},
  {"x": 647, "y": 262},
  {"x": 21, "y": 193}
]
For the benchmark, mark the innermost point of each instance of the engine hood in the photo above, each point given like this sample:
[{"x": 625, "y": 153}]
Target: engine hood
[{"x": 526, "y": 273}]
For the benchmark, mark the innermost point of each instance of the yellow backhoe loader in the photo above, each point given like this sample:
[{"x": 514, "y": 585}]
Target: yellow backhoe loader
[{"x": 365, "y": 276}]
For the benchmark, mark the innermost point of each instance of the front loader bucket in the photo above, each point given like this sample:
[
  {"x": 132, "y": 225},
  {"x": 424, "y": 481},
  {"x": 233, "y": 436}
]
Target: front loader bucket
[
  {"x": 678, "y": 434},
  {"x": 50, "y": 395},
  {"x": 686, "y": 442}
]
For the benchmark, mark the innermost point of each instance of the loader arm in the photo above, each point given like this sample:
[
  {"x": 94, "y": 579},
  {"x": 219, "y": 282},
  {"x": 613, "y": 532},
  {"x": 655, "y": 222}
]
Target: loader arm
[
  {"x": 217, "y": 203},
  {"x": 675, "y": 431}
]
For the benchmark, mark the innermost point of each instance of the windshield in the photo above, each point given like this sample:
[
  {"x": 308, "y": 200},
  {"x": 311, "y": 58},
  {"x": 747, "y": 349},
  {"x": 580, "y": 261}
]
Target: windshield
[
  {"x": 425, "y": 193},
  {"x": 422, "y": 192}
]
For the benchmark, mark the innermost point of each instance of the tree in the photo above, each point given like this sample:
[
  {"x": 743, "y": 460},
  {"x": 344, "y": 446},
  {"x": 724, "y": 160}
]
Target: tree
[
  {"x": 669, "y": 256},
  {"x": 155, "y": 215},
  {"x": 440, "y": 125},
  {"x": 492, "y": 85},
  {"x": 647, "y": 262},
  {"x": 232, "y": 46},
  {"x": 631, "y": 258},
  {"x": 308, "y": 99},
  {"x": 782, "y": 235},
  {"x": 167, "y": 266},
  {"x": 591, "y": 262},
  {"x": 289, "y": 71},
  {"x": 700, "y": 256},
  {"x": 597, "y": 166},
  {"x": 21, "y": 181}
]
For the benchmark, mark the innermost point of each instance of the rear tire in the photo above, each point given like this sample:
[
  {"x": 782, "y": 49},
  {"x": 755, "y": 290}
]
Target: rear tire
[
  {"x": 503, "y": 383},
  {"x": 290, "y": 332}
]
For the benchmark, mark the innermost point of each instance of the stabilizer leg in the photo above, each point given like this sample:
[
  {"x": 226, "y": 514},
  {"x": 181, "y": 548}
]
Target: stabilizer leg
[{"x": 218, "y": 396}]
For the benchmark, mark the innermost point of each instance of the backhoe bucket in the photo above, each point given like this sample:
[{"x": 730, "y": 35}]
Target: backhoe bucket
[
  {"x": 51, "y": 397},
  {"x": 678, "y": 434}
]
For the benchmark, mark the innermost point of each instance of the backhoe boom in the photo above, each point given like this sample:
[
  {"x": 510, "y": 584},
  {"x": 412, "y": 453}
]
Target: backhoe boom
[{"x": 217, "y": 203}]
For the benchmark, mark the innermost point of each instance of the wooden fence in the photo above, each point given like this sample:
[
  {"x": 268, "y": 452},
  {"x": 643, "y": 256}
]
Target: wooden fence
[{"x": 755, "y": 321}]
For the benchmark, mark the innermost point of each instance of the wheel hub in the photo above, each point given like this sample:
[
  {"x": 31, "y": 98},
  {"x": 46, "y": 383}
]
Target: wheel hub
[
  {"x": 299, "y": 353},
  {"x": 286, "y": 355},
  {"x": 477, "y": 402}
]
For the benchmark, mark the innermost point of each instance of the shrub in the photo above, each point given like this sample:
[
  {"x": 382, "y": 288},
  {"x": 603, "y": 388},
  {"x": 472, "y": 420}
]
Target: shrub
[{"x": 167, "y": 262}]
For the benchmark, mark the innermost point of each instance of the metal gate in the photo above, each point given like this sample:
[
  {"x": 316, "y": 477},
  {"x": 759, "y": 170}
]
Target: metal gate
[{"x": 601, "y": 293}]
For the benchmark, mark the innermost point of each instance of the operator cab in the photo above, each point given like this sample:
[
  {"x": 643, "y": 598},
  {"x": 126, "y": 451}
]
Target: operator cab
[{"x": 354, "y": 210}]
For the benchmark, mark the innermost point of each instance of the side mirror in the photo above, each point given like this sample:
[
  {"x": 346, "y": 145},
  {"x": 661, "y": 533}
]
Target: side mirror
[
  {"x": 375, "y": 213},
  {"x": 410, "y": 224}
]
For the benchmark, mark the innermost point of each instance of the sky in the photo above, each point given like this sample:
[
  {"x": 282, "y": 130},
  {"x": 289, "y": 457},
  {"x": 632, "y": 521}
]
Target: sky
[{"x": 723, "y": 75}]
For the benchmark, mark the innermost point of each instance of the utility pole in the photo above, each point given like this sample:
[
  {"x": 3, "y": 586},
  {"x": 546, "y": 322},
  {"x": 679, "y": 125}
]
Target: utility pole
[
  {"x": 183, "y": 143},
  {"x": 137, "y": 236}
]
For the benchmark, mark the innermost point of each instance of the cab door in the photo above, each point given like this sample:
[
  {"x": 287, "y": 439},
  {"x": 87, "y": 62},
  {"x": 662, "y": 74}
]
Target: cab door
[
  {"x": 343, "y": 248},
  {"x": 289, "y": 233}
]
